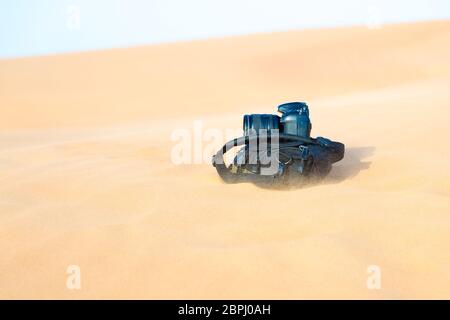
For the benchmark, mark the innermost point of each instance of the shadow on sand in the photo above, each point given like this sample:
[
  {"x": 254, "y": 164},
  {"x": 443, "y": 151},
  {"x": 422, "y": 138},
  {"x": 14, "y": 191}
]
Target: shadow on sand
[{"x": 347, "y": 168}]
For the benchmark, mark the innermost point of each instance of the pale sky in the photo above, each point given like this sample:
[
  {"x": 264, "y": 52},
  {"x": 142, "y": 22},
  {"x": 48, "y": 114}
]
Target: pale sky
[{"x": 36, "y": 27}]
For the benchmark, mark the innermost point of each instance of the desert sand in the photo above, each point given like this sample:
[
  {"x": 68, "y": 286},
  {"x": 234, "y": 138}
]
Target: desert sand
[{"x": 87, "y": 176}]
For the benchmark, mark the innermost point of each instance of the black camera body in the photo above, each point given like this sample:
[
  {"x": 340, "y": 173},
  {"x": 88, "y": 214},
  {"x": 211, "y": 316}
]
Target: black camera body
[{"x": 279, "y": 148}]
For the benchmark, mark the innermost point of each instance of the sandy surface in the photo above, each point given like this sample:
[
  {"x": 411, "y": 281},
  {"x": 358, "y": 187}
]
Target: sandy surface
[{"x": 87, "y": 178}]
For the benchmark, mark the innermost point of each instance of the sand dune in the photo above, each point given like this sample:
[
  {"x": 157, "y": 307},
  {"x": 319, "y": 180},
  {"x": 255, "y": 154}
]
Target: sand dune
[{"x": 87, "y": 178}]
